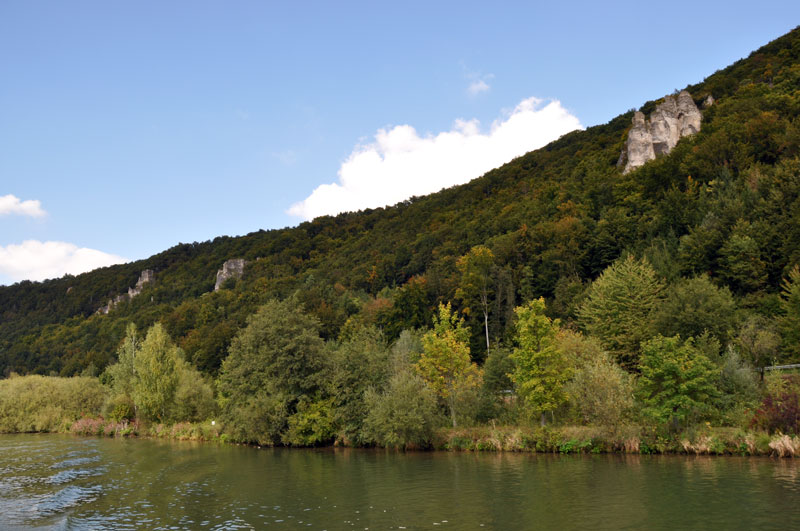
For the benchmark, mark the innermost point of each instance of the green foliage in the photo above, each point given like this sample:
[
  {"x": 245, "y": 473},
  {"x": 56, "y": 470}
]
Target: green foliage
[
  {"x": 738, "y": 386},
  {"x": 157, "y": 374},
  {"x": 694, "y": 306},
  {"x": 122, "y": 374},
  {"x": 677, "y": 382},
  {"x": 602, "y": 392},
  {"x": 475, "y": 286},
  {"x": 790, "y": 321},
  {"x": 619, "y": 307},
  {"x": 277, "y": 359},
  {"x": 445, "y": 363},
  {"x": 152, "y": 377},
  {"x": 47, "y": 403},
  {"x": 758, "y": 341},
  {"x": 312, "y": 424},
  {"x": 741, "y": 257},
  {"x": 405, "y": 414},
  {"x": 540, "y": 368},
  {"x": 119, "y": 408},
  {"x": 359, "y": 363},
  {"x": 194, "y": 398}
]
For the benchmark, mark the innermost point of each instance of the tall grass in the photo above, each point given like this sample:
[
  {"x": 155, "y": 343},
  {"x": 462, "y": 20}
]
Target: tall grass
[{"x": 47, "y": 403}]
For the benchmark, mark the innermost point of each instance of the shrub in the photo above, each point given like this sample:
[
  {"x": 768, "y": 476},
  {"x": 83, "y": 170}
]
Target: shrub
[
  {"x": 405, "y": 414},
  {"x": 47, "y": 403},
  {"x": 780, "y": 408}
]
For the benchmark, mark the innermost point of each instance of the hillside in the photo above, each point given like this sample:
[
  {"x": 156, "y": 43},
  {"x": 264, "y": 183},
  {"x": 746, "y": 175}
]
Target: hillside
[{"x": 725, "y": 202}]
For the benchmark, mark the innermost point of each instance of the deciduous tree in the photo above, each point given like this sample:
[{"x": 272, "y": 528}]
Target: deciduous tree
[{"x": 540, "y": 368}]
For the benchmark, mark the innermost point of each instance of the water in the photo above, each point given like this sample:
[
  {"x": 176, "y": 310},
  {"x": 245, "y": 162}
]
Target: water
[{"x": 63, "y": 482}]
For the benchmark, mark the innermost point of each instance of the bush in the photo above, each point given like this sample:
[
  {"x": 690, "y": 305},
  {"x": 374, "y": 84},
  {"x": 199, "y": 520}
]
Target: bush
[
  {"x": 780, "y": 408},
  {"x": 677, "y": 382},
  {"x": 404, "y": 415},
  {"x": 47, "y": 403},
  {"x": 119, "y": 408},
  {"x": 602, "y": 392}
]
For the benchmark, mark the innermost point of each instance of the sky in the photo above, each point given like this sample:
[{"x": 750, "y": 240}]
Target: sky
[{"x": 127, "y": 128}]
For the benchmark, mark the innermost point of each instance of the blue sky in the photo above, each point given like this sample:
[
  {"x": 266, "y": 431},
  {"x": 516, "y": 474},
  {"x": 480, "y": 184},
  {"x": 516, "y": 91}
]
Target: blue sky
[{"x": 126, "y": 128}]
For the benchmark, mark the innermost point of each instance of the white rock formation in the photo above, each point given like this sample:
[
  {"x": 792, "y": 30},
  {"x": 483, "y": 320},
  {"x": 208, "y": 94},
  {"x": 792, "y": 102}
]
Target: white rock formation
[
  {"x": 671, "y": 120},
  {"x": 146, "y": 277},
  {"x": 233, "y": 268}
]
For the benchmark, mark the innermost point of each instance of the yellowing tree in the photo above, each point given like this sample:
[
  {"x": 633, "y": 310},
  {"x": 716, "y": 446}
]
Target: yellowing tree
[
  {"x": 476, "y": 267},
  {"x": 540, "y": 368},
  {"x": 445, "y": 363}
]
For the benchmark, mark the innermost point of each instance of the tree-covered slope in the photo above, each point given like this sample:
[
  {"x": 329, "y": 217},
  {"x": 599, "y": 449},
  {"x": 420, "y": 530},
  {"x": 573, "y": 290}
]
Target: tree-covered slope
[{"x": 725, "y": 202}]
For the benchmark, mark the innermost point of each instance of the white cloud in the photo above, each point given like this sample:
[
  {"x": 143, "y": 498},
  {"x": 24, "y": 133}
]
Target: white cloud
[
  {"x": 11, "y": 204},
  {"x": 478, "y": 86},
  {"x": 35, "y": 260},
  {"x": 400, "y": 163}
]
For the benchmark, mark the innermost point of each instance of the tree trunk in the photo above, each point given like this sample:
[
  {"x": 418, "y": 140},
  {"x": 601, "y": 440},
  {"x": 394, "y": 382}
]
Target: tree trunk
[
  {"x": 486, "y": 328},
  {"x": 543, "y": 421}
]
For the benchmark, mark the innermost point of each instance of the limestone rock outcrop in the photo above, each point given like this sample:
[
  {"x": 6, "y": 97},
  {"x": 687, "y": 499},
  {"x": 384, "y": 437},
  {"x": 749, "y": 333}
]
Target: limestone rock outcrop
[
  {"x": 233, "y": 268},
  {"x": 671, "y": 120},
  {"x": 145, "y": 277}
]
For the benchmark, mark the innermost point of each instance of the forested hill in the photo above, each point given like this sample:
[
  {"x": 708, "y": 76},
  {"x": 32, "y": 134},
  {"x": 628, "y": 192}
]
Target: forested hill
[{"x": 724, "y": 202}]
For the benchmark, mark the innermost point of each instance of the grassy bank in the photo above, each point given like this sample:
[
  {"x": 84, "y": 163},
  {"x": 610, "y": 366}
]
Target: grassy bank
[
  {"x": 181, "y": 431},
  {"x": 558, "y": 440},
  {"x": 631, "y": 439}
]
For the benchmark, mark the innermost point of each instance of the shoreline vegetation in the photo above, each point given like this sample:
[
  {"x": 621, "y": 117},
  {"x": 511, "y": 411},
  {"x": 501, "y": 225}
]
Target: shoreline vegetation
[
  {"x": 552, "y": 389},
  {"x": 533, "y": 439}
]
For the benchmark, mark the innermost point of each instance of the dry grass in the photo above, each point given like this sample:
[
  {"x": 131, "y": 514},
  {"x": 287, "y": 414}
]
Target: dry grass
[{"x": 785, "y": 446}]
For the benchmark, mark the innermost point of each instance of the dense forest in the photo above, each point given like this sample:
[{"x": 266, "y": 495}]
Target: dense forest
[{"x": 690, "y": 260}]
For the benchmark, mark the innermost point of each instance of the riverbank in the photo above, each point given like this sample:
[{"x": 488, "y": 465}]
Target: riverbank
[
  {"x": 706, "y": 440},
  {"x": 629, "y": 440}
]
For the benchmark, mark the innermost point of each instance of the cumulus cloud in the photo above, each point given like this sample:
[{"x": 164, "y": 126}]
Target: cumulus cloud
[
  {"x": 478, "y": 86},
  {"x": 11, "y": 204},
  {"x": 35, "y": 260},
  {"x": 400, "y": 163}
]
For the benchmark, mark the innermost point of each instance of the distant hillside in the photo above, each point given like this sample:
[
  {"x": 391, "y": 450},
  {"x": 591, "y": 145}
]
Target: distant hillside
[{"x": 725, "y": 201}]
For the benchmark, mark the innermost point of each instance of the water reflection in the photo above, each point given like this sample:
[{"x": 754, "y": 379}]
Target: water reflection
[{"x": 55, "y": 481}]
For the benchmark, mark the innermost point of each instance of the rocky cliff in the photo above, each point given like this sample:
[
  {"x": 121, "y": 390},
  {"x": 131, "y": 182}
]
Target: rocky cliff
[
  {"x": 233, "y": 268},
  {"x": 146, "y": 277},
  {"x": 673, "y": 119}
]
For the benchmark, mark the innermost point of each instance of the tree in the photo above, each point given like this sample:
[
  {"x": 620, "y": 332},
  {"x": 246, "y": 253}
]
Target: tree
[
  {"x": 476, "y": 268},
  {"x": 619, "y": 307},
  {"x": 758, "y": 341},
  {"x": 790, "y": 320},
  {"x": 359, "y": 362},
  {"x": 602, "y": 392},
  {"x": 540, "y": 368},
  {"x": 156, "y": 367},
  {"x": 741, "y": 261},
  {"x": 693, "y": 306},
  {"x": 273, "y": 362},
  {"x": 122, "y": 373},
  {"x": 677, "y": 381},
  {"x": 405, "y": 414},
  {"x": 445, "y": 363}
]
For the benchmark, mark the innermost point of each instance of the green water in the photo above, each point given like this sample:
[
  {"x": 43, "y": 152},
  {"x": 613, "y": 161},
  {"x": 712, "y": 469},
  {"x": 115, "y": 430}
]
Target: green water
[{"x": 63, "y": 482}]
